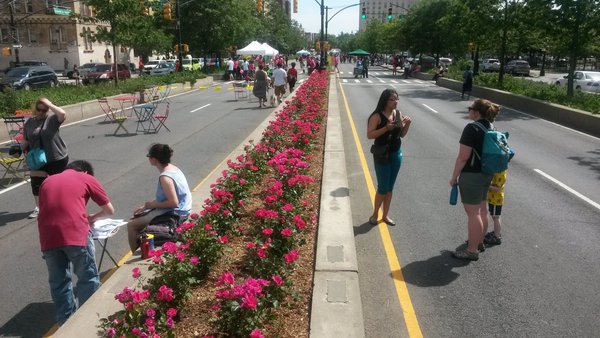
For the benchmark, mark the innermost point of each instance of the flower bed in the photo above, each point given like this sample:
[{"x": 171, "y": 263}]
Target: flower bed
[{"x": 239, "y": 256}]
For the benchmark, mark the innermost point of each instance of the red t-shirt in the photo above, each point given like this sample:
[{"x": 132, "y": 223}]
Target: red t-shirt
[
  {"x": 62, "y": 220},
  {"x": 292, "y": 73}
]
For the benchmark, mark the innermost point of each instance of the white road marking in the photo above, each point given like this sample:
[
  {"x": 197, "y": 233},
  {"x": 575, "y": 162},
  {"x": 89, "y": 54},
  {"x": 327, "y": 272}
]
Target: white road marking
[
  {"x": 569, "y": 189},
  {"x": 380, "y": 80},
  {"x": 357, "y": 81},
  {"x": 394, "y": 81},
  {"x": 204, "y": 106},
  {"x": 345, "y": 81},
  {"x": 13, "y": 187},
  {"x": 405, "y": 81},
  {"x": 369, "y": 81},
  {"x": 428, "y": 107}
]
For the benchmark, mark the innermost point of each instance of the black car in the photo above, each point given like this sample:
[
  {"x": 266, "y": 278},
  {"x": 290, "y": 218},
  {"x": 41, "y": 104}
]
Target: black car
[
  {"x": 25, "y": 63},
  {"x": 28, "y": 77}
]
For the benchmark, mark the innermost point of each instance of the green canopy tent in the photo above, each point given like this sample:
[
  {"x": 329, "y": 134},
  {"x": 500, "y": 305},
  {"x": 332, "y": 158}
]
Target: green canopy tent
[{"x": 359, "y": 52}]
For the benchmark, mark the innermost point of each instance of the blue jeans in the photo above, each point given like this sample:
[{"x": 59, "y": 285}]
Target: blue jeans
[
  {"x": 59, "y": 262},
  {"x": 387, "y": 173}
]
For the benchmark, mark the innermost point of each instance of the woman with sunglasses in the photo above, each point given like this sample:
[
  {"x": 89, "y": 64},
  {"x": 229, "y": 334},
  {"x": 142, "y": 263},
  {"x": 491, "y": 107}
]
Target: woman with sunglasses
[
  {"x": 172, "y": 194},
  {"x": 387, "y": 126},
  {"x": 472, "y": 183},
  {"x": 42, "y": 131}
]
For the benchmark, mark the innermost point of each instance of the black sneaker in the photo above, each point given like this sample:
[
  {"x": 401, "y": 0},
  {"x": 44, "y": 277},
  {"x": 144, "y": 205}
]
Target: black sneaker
[{"x": 491, "y": 239}]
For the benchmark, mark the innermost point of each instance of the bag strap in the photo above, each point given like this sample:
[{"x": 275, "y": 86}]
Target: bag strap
[{"x": 40, "y": 134}]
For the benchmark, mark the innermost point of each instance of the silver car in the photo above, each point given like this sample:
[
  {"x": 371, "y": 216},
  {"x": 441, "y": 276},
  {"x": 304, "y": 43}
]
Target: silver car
[
  {"x": 517, "y": 67},
  {"x": 490, "y": 65},
  {"x": 163, "y": 68}
]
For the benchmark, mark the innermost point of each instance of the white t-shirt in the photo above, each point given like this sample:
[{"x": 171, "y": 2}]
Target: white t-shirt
[
  {"x": 245, "y": 65},
  {"x": 280, "y": 77},
  {"x": 230, "y": 64}
]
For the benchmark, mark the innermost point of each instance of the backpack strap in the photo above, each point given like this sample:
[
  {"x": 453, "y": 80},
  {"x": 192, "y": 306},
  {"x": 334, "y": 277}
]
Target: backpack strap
[{"x": 484, "y": 129}]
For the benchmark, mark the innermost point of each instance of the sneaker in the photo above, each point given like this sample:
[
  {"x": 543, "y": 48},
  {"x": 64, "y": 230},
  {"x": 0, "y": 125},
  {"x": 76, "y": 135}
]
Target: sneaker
[
  {"x": 35, "y": 213},
  {"x": 466, "y": 255},
  {"x": 480, "y": 247},
  {"x": 491, "y": 239}
]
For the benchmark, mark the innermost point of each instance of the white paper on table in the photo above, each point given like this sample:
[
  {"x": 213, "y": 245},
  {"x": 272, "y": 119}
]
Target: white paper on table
[{"x": 108, "y": 227}]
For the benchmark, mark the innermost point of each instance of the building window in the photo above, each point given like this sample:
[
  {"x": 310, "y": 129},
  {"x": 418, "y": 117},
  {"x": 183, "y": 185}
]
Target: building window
[
  {"x": 57, "y": 38},
  {"x": 5, "y": 35},
  {"x": 87, "y": 38},
  {"x": 28, "y": 6},
  {"x": 31, "y": 36}
]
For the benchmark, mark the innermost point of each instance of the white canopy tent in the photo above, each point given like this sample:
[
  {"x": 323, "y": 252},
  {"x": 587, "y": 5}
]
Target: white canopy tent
[
  {"x": 269, "y": 51},
  {"x": 254, "y": 48},
  {"x": 302, "y": 52}
]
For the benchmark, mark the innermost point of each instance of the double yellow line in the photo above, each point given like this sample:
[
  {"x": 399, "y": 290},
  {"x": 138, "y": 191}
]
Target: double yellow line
[{"x": 410, "y": 318}]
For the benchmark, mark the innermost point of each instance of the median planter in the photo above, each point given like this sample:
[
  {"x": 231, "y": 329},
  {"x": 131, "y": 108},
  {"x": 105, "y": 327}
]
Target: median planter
[{"x": 566, "y": 116}]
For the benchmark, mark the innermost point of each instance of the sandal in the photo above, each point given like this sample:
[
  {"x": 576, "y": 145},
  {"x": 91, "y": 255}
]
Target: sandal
[
  {"x": 389, "y": 221},
  {"x": 373, "y": 220},
  {"x": 465, "y": 255}
]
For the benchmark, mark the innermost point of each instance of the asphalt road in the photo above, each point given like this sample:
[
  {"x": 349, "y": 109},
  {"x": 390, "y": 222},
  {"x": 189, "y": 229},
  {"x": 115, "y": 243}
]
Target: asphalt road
[
  {"x": 205, "y": 127},
  {"x": 541, "y": 282}
]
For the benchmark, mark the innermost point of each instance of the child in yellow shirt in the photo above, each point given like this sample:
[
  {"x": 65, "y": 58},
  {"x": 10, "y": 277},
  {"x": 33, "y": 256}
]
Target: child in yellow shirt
[{"x": 495, "y": 201}]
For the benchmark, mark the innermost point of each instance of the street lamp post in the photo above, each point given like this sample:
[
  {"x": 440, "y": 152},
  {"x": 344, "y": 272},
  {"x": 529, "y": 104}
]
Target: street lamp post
[
  {"x": 179, "y": 54},
  {"x": 13, "y": 31}
]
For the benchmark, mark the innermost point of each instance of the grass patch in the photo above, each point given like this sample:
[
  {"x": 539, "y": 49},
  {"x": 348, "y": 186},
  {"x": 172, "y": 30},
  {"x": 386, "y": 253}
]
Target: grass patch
[{"x": 62, "y": 95}]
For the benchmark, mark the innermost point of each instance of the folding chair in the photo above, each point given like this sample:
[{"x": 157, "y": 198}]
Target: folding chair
[
  {"x": 163, "y": 94},
  {"x": 162, "y": 118},
  {"x": 112, "y": 116},
  {"x": 107, "y": 109},
  {"x": 11, "y": 166},
  {"x": 240, "y": 90}
]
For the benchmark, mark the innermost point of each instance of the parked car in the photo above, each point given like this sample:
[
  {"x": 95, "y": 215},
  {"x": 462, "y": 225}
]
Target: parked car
[
  {"x": 28, "y": 77},
  {"x": 582, "y": 80},
  {"x": 151, "y": 65},
  {"x": 104, "y": 72},
  {"x": 489, "y": 65},
  {"x": 445, "y": 61},
  {"x": 191, "y": 64},
  {"x": 25, "y": 63},
  {"x": 517, "y": 67},
  {"x": 163, "y": 68},
  {"x": 83, "y": 70}
]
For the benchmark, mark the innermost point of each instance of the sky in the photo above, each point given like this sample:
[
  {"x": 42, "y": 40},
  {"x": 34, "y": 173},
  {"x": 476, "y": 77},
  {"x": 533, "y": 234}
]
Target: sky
[{"x": 309, "y": 16}]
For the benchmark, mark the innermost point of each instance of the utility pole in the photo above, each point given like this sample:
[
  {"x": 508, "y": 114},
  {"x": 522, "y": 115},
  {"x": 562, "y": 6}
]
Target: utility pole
[
  {"x": 179, "y": 52},
  {"x": 323, "y": 61}
]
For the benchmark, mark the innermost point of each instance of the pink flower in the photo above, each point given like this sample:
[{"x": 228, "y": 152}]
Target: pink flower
[
  {"x": 216, "y": 307},
  {"x": 194, "y": 260},
  {"x": 136, "y": 331},
  {"x": 267, "y": 231},
  {"x": 170, "y": 322},
  {"x": 250, "y": 245},
  {"x": 223, "y": 239},
  {"x": 171, "y": 312},
  {"x": 136, "y": 273},
  {"x": 291, "y": 257},
  {"x": 149, "y": 322},
  {"x": 226, "y": 278},
  {"x": 150, "y": 313},
  {"x": 277, "y": 280},
  {"x": 261, "y": 253},
  {"x": 170, "y": 247},
  {"x": 181, "y": 256},
  {"x": 287, "y": 232},
  {"x": 207, "y": 226},
  {"x": 257, "y": 334},
  {"x": 165, "y": 293},
  {"x": 111, "y": 332},
  {"x": 194, "y": 215},
  {"x": 249, "y": 302},
  {"x": 288, "y": 207}
]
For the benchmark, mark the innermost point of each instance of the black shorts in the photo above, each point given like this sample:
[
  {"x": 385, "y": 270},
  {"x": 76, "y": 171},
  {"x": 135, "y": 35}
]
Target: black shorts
[
  {"x": 495, "y": 210},
  {"x": 55, "y": 167}
]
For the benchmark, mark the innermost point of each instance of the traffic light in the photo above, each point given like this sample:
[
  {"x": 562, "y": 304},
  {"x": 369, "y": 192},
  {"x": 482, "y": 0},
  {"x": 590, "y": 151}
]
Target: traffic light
[
  {"x": 295, "y": 6},
  {"x": 363, "y": 13},
  {"x": 259, "y": 6},
  {"x": 390, "y": 13},
  {"x": 167, "y": 12}
]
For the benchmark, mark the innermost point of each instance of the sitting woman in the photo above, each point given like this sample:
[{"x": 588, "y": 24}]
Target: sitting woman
[{"x": 172, "y": 194}]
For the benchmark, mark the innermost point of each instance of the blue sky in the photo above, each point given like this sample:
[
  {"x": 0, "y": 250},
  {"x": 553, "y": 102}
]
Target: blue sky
[{"x": 309, "y": 16}]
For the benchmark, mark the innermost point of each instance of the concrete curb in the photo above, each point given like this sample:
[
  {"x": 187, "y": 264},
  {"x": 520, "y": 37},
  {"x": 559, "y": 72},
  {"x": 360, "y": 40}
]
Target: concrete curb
[
  {"x": 83, "y": 323},
  {"x": 88, "y": 109},
  {"x": 336, "y": 303}
]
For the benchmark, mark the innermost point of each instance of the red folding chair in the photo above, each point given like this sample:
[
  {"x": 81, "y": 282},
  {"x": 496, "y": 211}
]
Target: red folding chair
[{"x": 162, "y": 118}]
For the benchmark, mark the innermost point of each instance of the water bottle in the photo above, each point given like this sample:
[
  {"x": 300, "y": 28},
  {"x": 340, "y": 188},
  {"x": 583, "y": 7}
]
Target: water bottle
[{"x": 454, "y": 194}]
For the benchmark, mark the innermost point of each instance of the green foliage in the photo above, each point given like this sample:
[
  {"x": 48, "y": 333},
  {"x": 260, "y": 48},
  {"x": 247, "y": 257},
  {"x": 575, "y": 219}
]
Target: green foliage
[
  {"x": 63, "y": 95},
  {"x": 537, "y": 90}
]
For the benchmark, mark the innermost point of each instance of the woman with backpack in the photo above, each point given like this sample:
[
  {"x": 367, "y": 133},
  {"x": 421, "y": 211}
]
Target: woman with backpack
[{"x": 472, "y": 182}]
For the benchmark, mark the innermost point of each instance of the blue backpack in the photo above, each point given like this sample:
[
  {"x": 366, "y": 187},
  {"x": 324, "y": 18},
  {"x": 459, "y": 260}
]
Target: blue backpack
[{"x": 495, "y": 153}]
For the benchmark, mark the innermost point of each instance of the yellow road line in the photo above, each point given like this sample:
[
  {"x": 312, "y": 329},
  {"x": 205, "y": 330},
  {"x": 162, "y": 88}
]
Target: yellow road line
[
  {"x": 410, "y": 317},
  {"x": 209, "y": 174}
]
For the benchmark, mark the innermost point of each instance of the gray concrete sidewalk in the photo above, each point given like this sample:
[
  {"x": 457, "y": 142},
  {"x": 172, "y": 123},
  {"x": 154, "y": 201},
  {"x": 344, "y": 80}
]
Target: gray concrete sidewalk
[{"x": 336, "y": 307}]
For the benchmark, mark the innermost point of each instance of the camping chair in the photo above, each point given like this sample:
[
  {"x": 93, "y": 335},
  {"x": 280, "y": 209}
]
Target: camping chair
[
  {"x": 162, "y": 118},
  {"x": 111, "y": 115},
  {"x": 11, "y": 166},
  {"x": 240, "y": 90},
  {"x": 163, "y": 94}
]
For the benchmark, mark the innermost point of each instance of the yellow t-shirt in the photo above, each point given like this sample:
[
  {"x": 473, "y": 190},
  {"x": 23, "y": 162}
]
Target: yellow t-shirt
[{"x": 497, "y": 197}]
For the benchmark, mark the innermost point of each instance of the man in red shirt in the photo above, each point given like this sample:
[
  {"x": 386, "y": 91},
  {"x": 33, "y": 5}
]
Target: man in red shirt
[
  {"x": 292, "y": 76},
  {"x": 65, "y": 234}
]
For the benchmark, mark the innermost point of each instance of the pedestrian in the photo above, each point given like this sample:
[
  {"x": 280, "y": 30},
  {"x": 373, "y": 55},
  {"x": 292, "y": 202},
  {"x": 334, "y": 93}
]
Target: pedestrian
[
  {"x": 292, "y": 76},
  {"x": 140, "y": 65},
  {"x": 386, "y": 125},
  {"x": 495, "y": 199},
  {"x": 230, "y": 69},
  {"x": 279, "y": 81},
  {"x": 42, "y": 131},
  {"x": 394, "y": 64},
  {"x": 261, "y": 82},
  {"x": 467, "y": 83},
  {"x": 245, "y": 66},
  {"x": 172, "y": 194},
  {"x": 365, "y": 65},
  {"x": 65, "y": 234},
  {"x": 406, "y": 69},
  {"x": 76, "y": 75},
  {"x": 336, "y": 61},
  {"x": 474, "y": 184}
]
